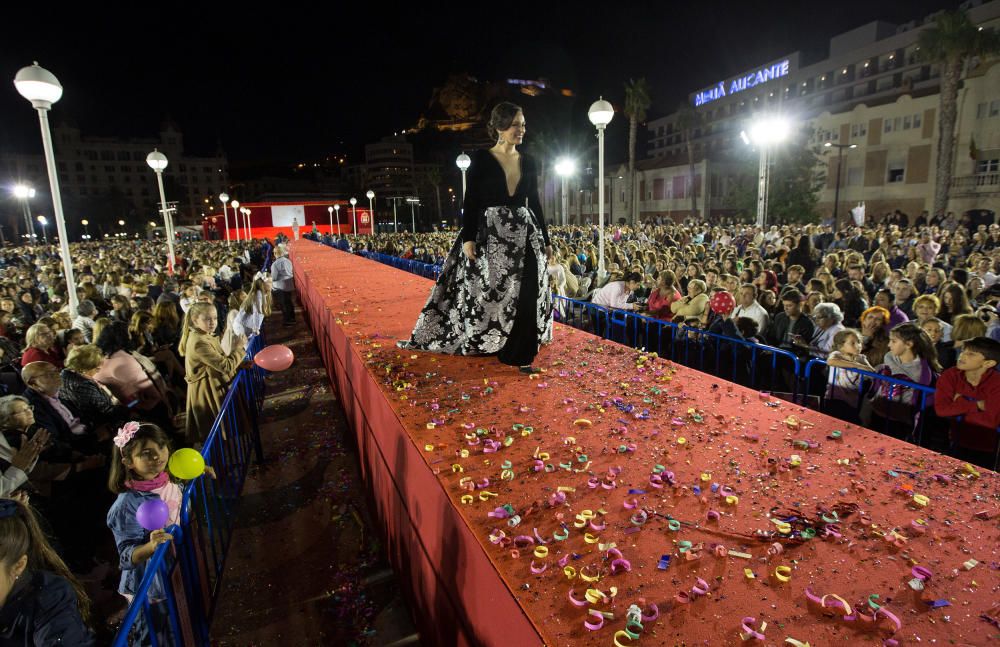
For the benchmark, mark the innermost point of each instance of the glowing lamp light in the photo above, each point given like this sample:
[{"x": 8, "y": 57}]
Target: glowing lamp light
[
  {"x": 601, "y": 113},
  {"x": 463, "y": 162},
  {"x": 38, "y": 85},
  {"x": 156, "y": 160},
  {"x": 565, "y": 167},
  {"x": 768, "y": 131}
]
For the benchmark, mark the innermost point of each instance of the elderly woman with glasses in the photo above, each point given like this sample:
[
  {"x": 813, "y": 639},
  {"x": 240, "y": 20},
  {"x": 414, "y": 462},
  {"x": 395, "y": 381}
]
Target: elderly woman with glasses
[
  {"x": 41, "y": 346},
  {"x": 829, "y": 320},
  {"x": 30, "y": 457}
]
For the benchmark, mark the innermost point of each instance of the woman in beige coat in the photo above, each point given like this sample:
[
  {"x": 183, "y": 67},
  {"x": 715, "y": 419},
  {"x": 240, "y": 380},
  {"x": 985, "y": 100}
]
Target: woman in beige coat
[
  {"x": 207, "y": 369},
  {"x": 694, "y": 304}
]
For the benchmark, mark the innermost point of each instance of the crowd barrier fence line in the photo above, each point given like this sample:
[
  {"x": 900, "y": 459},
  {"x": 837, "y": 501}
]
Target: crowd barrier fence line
[
  {"x": 175, "y": 600},
  {"x": 614, "y": 325}
]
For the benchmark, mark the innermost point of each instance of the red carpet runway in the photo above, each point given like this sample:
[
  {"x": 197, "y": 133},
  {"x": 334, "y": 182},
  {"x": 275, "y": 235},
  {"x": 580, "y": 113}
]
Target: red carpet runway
[{"x": 619, "y": 499}]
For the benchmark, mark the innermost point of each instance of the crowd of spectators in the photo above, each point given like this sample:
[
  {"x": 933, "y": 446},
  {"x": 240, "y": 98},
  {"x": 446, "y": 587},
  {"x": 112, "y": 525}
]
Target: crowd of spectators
[
  {"x": 147, "y": 347},
  {"x": 890, "y": 298}
]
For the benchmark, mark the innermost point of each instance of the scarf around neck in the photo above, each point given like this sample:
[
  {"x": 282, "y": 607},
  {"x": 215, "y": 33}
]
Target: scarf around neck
[{"x": 156, "y": 483}]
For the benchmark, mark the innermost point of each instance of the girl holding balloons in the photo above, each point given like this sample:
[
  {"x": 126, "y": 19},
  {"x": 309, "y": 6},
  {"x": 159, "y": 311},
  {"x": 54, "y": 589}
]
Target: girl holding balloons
[{"x": 148, "y": 500}]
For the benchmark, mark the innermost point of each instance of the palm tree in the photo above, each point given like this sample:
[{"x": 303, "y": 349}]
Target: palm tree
[
  {"x": 950, "y": 43},
  {"x": 434, "y": 179},
  {"x": 688, "y": 119},
  {"x": 637, "y": 102}
]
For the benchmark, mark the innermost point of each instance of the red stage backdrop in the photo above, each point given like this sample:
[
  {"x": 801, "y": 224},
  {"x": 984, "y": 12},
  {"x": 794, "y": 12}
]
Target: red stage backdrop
[{"x": 268, "y": 218}]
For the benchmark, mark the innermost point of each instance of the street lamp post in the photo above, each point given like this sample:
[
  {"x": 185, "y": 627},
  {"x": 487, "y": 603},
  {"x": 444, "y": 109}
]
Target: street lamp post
[
  {"x": 236, "y": 218},
  {"x": 371, "y": 208},
  {"x": 354, "y": 214},
  {"x": 337, "y": 207},
  {"x": 329, "y": 210},
  {"x": 836, "y": 192},
  {"x": 565, "y": 167},
  {"x": 413, "y": 202},
  {"x": 395, "y": 221},
  {"x": 45, "y": 235},
  {"x": 158, "y": 161},
  {"x": 601, "y": 112},
  {"x": 463, "y": 162},
  {"x": 249, "y": 228},
  {"x": 764, "y": 134},
  {"x": 42, "y": 89},
  {"x": 86, "y": 228},
  {"x": 224, "y": 198}
]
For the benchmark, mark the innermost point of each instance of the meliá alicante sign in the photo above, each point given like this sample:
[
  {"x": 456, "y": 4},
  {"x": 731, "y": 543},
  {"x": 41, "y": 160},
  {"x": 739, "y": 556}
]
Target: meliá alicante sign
[{"x": 742, "y": 82}]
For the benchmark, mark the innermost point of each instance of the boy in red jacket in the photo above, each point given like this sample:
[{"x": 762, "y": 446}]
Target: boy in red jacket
[{"x": 971, "y": 389}]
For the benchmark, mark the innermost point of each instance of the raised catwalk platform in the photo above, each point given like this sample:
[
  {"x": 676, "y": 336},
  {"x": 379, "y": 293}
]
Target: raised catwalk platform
[{"x": 649, "y": 484}]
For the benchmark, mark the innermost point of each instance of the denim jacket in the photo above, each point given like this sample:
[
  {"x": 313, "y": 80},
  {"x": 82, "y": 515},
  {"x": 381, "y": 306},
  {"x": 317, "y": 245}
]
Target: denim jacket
[{"x": 129, "y": 535}]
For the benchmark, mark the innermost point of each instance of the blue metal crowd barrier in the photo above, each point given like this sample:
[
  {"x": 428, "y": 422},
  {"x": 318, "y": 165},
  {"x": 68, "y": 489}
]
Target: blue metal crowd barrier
[
  {"x": 688, "y": 346},
  {"x": 174, "y": 603}
]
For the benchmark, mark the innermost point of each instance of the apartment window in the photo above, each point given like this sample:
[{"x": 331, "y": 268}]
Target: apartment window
[
  {"x": 109, "y": 169},
  {"x": 887, "y": 127},
  {"x": 138, "y": 156},
  {"x": 855, "y": 176},
  {"x": 123, "y": 156},
  {"x": 897, "y": 124},
  {"x": 906, "y": 122},
  {"x": 988, "y": 166},
  {"x": 90, "y": 155},
  {"x": 79, "y": 167},
  {"x": 896, "y": 171},
  {"x": 981, "y": 110},
  {"x": 81, "y": 179},
  {"x": 107, "y": 156},
  {"x": 916, "y": 120},
  {"x": 994, "y": 108}
]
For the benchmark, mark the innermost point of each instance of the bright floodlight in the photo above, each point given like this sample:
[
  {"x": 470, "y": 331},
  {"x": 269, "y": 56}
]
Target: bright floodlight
[
  {"x": 354, "y": 201},
  {"x": 84, "y": 222},
  {"x": 565, "y": 167},
  {"x": 329, "y": 209},
  {"x": 771, "y": 130},
  {"x": 463, "y": 162},
  {"x": 23, "y": 192},
  {"x": 223, "y": 198},
  {"x": 156, "y": 160},
  {"x": 235, "y": 204},
  {"x": 601, "y": 113},
  {"x": 370, "y": 195},
  {"x": 121, "y": 223},
  {"x": 43, "y": 220},
  {"x": 38, "y": 85}
]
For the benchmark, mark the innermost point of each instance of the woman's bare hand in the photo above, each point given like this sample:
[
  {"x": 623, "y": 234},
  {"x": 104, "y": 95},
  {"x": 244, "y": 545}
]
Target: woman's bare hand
[{"x": 469, "y": 249}]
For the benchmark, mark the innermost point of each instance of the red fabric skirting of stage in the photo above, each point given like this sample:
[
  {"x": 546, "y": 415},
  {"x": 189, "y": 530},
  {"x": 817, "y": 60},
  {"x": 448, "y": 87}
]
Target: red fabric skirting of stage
[{"x": 525, "y": 511}]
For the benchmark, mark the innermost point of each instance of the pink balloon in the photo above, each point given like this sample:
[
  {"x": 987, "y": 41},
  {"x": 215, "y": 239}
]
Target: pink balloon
[{"x": 274, "y": 358}]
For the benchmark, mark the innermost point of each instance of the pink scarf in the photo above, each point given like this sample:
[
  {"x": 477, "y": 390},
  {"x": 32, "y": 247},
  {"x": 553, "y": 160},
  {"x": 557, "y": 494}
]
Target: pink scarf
[{"x": 148, "y": 486}]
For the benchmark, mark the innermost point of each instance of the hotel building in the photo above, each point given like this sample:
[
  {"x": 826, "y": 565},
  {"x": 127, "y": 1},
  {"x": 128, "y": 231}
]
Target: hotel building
[{"x": 869, "y": 89}]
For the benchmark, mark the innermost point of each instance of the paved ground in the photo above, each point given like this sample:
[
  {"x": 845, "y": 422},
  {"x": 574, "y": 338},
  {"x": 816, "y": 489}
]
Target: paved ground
[{"x": 306, "y": 566}]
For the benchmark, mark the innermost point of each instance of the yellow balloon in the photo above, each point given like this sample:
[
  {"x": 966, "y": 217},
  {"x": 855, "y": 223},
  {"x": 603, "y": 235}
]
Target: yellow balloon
[{"x": 186, "y": 464}]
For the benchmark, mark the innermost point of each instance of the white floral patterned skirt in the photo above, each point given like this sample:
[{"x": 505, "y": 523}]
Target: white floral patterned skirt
[{"x": 473, "y": 306}]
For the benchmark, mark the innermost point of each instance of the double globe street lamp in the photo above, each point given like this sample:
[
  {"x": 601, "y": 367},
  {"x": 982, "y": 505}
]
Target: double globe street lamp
[{"x": 42, "y": 89}]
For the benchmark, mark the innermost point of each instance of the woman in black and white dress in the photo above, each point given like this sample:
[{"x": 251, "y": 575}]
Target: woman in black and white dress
[{"x": 493, "y": 293}]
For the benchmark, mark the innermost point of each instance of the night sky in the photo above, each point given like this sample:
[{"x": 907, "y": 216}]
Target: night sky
[{"x": 295, "y": 82}]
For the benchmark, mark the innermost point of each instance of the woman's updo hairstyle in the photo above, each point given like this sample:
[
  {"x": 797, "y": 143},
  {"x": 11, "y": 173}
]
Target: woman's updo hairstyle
[{"x": 502, "y": 117}]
